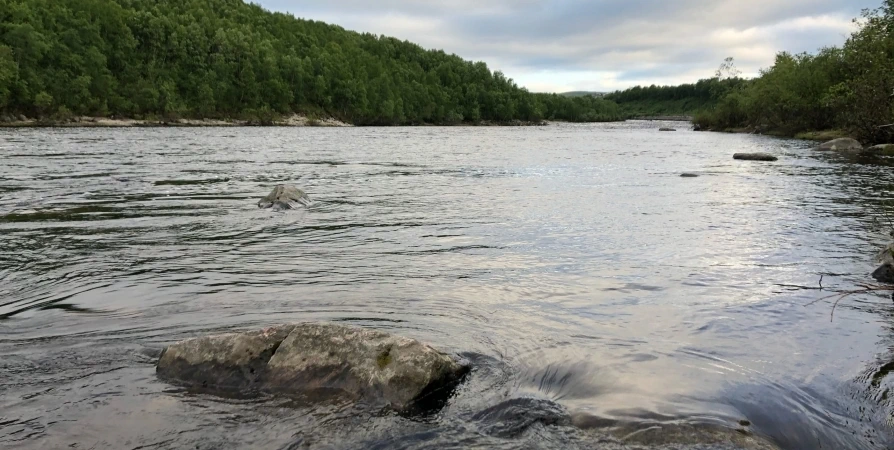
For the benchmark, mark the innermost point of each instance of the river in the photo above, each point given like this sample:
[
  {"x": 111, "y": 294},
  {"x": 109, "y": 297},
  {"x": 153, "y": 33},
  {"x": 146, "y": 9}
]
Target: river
[{"x": 570, "y": 263}]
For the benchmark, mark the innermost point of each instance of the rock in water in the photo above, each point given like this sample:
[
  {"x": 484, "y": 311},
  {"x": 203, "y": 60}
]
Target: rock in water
[
  {"x": 842, "y": 144},
  {"x": 755, "y": 157},
  {"x": 284, "y": 196},
  {"x": 689, "y": 175},
  {"x": 883, "y": 149},
  {"x": 513, "y": 417},
  {"x": 229, "y": 362},
  {"x": 666, "y": 129},
  {"x": 886, "y": 256},
  {"x": 884, "y": 273},
  {"x": 318, "y": 358}
]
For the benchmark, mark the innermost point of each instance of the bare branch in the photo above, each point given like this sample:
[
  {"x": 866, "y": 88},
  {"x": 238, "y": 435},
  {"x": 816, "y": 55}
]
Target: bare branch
[{"x": 844, "y": 294}]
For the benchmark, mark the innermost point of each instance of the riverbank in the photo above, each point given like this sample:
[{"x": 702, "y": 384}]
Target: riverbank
[
  {"x": 671, "y": 118},
  {"x": 295, "y": 120},
  {"x": 821, "y": 136}
]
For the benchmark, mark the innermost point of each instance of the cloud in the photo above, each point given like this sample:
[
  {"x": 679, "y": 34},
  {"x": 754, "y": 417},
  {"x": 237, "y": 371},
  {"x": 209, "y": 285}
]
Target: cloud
[{"x": 600, "y": 45}]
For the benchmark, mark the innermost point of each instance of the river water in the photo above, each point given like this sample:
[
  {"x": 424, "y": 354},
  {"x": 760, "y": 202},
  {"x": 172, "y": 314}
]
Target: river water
[{"x": 568, "y": 263}]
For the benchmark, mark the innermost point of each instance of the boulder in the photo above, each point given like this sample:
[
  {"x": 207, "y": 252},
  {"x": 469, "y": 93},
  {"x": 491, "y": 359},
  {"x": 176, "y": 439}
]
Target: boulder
[
  {"x": 317, "y": 361},
  {"x": 666, "y": 129},
  {"x": 883, "y": 149},
  {"x": 842, "y": 145},
  {"x": 755, "y": 157},
  {"x": 689, "y": 175},
  {"x": 229, "y": 362},
  {"x": 285, "y": 196}
]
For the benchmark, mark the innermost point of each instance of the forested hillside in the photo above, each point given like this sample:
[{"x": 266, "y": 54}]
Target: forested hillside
[
  {"x": 685, "y": 99},
  {"x": 229, "y": 59},
  {"x": 849, "y": 88}
]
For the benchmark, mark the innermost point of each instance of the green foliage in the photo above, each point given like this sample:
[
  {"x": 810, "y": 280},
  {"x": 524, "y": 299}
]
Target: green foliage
[
  {"x": 685, "y": 99},
  {"x": 849, "y": 88},
  {"x": 229, "y": 59}
]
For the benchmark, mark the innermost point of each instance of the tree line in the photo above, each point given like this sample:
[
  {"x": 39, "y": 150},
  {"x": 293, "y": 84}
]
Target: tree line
[
  {"x": 230, "y": 59},
  {"x": 848, "y": 88},
  {"x": 685, "y": 99}
]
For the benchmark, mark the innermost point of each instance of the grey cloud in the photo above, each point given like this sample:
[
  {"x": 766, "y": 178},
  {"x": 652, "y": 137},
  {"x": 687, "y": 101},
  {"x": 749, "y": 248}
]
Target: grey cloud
[{"x": 635, "y": 39}]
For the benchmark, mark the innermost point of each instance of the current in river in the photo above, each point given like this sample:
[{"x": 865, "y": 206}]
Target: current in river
[{"x": 569, "y": 263}]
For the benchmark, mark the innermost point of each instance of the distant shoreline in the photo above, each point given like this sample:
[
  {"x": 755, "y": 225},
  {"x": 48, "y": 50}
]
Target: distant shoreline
[
  {"x": 665, "y": 118},
  {"x": 296, "y": 120},
  {"x": 105, "y": 122}
]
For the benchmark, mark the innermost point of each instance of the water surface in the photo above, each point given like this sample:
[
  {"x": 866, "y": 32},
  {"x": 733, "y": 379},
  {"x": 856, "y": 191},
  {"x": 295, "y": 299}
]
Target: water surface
[{"x": 569, "y": 263}]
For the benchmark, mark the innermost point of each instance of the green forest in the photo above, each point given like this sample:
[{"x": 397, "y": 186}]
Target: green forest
[
  {"x": 849, "y": 89},
  {"x": 685, "y": 99},
  {"x": 229, "y": 59}
]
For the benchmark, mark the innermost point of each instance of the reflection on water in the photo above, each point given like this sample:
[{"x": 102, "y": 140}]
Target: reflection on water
[{"x": 586, "y": 281}]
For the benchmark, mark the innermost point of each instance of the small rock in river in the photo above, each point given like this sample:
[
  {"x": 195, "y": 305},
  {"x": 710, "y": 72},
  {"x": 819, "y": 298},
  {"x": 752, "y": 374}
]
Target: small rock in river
[
  {"x": 318, "y": 360},
  {"x": 755, "y": 157},
  {"x": 666, "y": 129},
  {"x": 689, "y": 175},
  {"x": 284, "y": 197},
  {"x": 884, "y": 273}
]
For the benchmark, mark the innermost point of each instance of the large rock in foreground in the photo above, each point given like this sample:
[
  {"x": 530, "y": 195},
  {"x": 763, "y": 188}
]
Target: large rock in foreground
[
  {"x": 755, "y": 157},
  {"x": 318, "y": 360},
  {"x": 841, "y": 144},
  {"x": 285, "y": 196}
]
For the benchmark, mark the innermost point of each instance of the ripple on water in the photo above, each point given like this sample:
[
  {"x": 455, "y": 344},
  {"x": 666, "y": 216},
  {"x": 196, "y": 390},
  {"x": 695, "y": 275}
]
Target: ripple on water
[{"x": 599, "y": 300}]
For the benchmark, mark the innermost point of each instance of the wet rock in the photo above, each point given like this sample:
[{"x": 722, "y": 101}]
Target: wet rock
[
  {"x": 675, "y": 435},
  {"x": 513, "y": 417},
  {"x": 234, "y": 361},
  {"x": 666, "y": 129},
  {"x": 318, "y": 361},
  {"x": 755, "y": 157},
  {"x": 886, "y": 256},
  {"x": 689, "y": 175},
  {"x": 842, "y": 145},
  {"x": 883, "y": 149},
  {"x": 884, "y": 273},
  {"x": 284, "y": 196},
  {"x": 365, "y": 363}
]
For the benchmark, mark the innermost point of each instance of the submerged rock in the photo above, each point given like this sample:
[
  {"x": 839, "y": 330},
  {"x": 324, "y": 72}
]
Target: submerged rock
[
  {"x": 284, "y": 196},
  {"x": 841, "y": 144},
  {"x": 513, "y": 417},
  {"x": 883, "y": 149},
  {"x": 755, "y": 157},
  {"x": 666, "y": 129},
  {"x": 318, "y": 360}
]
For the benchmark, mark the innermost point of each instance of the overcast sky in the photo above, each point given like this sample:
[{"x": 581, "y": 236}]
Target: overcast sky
[{"x": 599, "y": 45}]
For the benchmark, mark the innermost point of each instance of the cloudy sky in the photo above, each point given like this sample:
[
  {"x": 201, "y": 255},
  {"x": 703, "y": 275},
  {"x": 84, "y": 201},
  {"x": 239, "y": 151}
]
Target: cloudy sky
[{"x": 599, "y": 45}]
